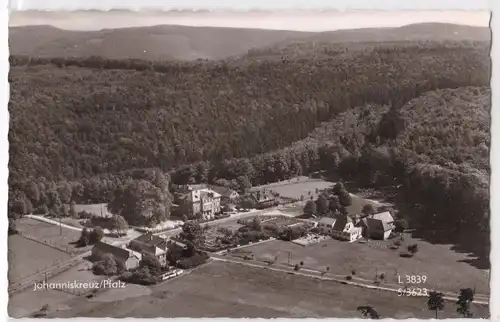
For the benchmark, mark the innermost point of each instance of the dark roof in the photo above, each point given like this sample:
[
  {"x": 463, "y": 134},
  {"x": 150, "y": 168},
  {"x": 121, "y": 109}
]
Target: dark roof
[
  {"x": 111, "y": 249},
  {"x": 148, "y": 242},
  {"x": 340, "y": 223}
]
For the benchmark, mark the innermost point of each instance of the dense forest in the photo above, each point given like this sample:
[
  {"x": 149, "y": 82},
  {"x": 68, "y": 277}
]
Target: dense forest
[
  {"x": 409, "y": 114},
  {"x": 74, "y": 122}
]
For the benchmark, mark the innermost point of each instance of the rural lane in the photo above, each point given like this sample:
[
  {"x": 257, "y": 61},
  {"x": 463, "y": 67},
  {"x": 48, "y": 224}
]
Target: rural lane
[{"x": 319, "y": 275}]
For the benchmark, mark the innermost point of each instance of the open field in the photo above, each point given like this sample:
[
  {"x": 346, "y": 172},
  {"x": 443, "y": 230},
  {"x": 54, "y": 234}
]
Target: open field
[
  {"x": 98, "y": 209},
  {"x": 296, "y": 187},
  {"x": 26, "y": 257},
  {"x": 60, "y": 238},
  {"x": 29, "y": 301},
  {"x": 254, "y": 292},
  {"x": 442, "y": 266}
]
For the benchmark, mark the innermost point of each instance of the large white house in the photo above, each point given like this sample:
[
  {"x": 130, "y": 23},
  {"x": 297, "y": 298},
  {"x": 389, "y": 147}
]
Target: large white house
[
  {"x": 341, "y": 228},
  {"x": 205, "y": 202}
]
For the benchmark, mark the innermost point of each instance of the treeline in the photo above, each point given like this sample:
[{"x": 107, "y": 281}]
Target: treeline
[
  {"x": 373, "y": 145},
  {"x": 72, "y": 123}
]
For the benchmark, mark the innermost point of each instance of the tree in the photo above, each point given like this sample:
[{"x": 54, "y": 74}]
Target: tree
[
  {"x": 243, "y": 184},
  {"x": 33, "y": 193},
  {"x": 152, "y": 263},
  {"x": 464, "y": 300},
  {"x": 106, "y": 266},
  {"x": 368, "y": 209},
  {"x": 192, "y": 232},
  {"x": 84, "y": 239},
  {"x": 310, "y": 208},
  {"x": 334, "y": 204},
  {"x": 413, "y": 249},
  {"x": 368, "y": 312},
  {"x": 72, "y": 210},
  {"x": 400, "y": 225},
  {"x": 256, "y": 224},
  {"x": 96, "y": 235},
  {"x": 338, "y": 188},
  {"x": 322, "y": 205},
  {"x": 435, "y": 302},
  {"x": 119, "y": 224},
  {"x": 141, "y": 203},
  {"x": 12, "y": 227}
]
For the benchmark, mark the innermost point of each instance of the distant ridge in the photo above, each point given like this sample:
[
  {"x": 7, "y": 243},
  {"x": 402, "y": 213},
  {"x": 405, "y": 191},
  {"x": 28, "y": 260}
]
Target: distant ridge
[{"x": 174, "y": 42}]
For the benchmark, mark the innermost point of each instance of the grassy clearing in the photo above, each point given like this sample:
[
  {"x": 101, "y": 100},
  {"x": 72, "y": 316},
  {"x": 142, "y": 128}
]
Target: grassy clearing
[
  {"x": 26, "y": 257},
  {"x": 98, "y": 209},
  {"x": 243, "y": 292},
  {"x": 297, "y": 187},
  {"x": 60, "y": 238},
  {"x": 441, "y": 265}
]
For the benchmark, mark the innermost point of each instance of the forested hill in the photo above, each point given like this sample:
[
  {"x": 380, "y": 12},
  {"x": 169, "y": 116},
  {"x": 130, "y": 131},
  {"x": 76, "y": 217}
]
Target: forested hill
[
  {"x": 76, "y": 122},
  {"x": 169, "y": 42}
]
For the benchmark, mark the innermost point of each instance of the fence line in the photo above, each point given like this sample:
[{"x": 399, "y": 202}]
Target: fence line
[{"x": 48, "y": 243}]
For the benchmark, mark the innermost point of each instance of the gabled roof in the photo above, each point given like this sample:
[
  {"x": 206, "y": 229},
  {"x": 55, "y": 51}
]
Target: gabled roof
[
  {"x": 149, "y": 239},
  {"x": 383, "y": 216},
  {"x": 116, "y": 251},
  {"x": 327, "y": 221},
  {"x": 340, "y": 223}
]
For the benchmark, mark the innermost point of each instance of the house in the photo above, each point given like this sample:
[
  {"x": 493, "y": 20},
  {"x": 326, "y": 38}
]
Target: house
[
  {"x": 377, "y": 226},
  {"x": 128, "y": 257},
  {"x": 227, "y": 195},
  {"x": 264, "y": 199},
  {"x": 341, "y": 228},
  {"x": 204, "y": 202},
  {"x": 152, "y": 245}
]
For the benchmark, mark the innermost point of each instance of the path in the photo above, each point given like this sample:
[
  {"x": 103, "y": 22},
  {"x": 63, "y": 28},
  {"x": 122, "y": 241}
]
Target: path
[{"x": 479, "y": 299}]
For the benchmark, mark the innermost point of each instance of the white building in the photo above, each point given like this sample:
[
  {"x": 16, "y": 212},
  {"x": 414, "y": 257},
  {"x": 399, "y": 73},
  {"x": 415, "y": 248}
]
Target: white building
[{"x": 341, "y": 228}]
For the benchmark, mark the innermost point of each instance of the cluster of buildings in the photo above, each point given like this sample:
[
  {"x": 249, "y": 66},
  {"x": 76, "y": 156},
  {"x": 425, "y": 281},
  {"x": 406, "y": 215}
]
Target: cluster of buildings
[
  {"x": 205, "y": 201},
  {"x": 376, "y": 226},
  {"x": 130, "y": 255}
]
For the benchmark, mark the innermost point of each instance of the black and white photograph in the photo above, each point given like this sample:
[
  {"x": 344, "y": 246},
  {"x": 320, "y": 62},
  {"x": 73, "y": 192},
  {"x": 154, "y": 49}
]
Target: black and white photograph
[{"x": 249, "y": 164}]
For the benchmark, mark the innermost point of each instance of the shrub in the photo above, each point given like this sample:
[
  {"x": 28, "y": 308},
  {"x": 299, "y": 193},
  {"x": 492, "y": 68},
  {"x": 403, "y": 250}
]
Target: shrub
[
  {"x": 107, "y": 266},
  {"x": 353, "y": 272},
  {"x": 348, "y": 277},
  {"x": 301, "y": 263},
  {"x": 297, "y": 267},
  {"x": 96, "y": 235},
  {"x": 85, "y": 215},
  {"x": 192, "y": 261},
  {"x": 141, "y": 276},
  {"x": 406, "y": 255},
  {"x": 152, "y": 263},
  {"x": 413, "y": 249}
]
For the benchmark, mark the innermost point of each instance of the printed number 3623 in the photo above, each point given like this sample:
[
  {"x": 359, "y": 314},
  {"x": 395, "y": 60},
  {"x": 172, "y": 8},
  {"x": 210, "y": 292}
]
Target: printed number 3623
[{"x": 412, "y": 292}]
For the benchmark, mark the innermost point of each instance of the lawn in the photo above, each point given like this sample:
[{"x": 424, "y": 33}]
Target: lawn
[
  {"x": 442, "y": 266},
  {"x": 26, "y": 257},
  {"x": 297, "y": 187},
  {"x": 61, "y": 238},
  {"x": 98, "y": 209},
  {"x": 231, "y": 290}
]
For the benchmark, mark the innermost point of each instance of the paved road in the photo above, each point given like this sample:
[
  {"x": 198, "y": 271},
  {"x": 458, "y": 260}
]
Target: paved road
[{"x": 479, "y": 299}]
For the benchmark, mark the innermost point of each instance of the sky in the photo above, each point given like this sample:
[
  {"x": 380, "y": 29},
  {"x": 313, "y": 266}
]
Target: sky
[{"x": 303, "y": 20}]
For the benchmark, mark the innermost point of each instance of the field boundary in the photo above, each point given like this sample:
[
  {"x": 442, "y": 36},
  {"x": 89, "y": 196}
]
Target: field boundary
[
  {"x": 333, "y": 279},
  {"x": 70, "y": 253}
]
